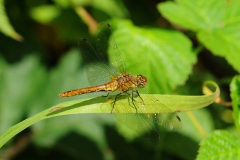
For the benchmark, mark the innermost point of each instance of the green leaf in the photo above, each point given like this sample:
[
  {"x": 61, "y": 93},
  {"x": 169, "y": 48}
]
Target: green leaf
[
  {"x": 5, "y": 26},
  {"x": 219, "y": 145},
  {"x": 235, "y": 95},
  {"x": 113, "y": 8},
  {"x": 174, "y": 102},
  {"x": 65, "y": 76},
  {"x": 19, "y": 83},
  {"x": 216, "y": 22},
  {"x": 45, "y": 13},
  {"x": 164, "y": 57}
]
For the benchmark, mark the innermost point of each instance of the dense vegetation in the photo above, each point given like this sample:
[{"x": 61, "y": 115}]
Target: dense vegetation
[{"x": 178, "y": 45}]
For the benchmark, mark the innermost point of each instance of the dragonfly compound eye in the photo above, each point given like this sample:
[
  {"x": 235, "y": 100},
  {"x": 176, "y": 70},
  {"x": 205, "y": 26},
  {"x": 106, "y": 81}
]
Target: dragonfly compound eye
[{"x": 142, "y": 81}]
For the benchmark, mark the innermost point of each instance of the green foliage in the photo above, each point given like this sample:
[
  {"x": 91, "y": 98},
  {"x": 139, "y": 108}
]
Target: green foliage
[
  {"x": 215, "y": 23},
  {"x": 45, "y": 14},
  {"x": 235, "y": 93},
  {"x": 21, "y": 81},
  {"x": 197, "y": 41},
  {"x": 167, "y": 52},
  {"x": 219, "y": 145}
]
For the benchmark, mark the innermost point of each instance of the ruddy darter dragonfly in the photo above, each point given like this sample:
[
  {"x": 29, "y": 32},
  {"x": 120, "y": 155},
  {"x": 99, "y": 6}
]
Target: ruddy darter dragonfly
[{"x": 139, "y": 113}]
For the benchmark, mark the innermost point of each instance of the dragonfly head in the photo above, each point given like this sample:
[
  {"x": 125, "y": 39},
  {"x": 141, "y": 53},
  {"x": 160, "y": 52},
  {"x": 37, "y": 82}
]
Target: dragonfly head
[{"x": 141, "y": 81}]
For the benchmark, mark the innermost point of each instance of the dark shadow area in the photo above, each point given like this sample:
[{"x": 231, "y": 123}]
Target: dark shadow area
[
  {"x": 70, "y": 147},
  {"x": 179, "y": 145},
  {"x": 126, "y": 150},
  {"x": 137, "y": 8},
  {"x": 220, "y": 68},
  {"x": 172, "y": 146},
  {"x": 216, "y": 65}
]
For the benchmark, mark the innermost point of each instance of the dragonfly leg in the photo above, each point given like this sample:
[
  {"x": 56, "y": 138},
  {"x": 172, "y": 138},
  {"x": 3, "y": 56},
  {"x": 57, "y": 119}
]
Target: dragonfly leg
[
  {"x": 133, "y": 100},
  {"x": 139, "y": 96},
  {"x": 116, "y": 97},
  {"x": 106, "y": 95}
]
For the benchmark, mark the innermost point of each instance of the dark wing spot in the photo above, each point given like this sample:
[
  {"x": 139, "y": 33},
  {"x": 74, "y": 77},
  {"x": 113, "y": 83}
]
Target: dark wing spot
[{"x": 178, "y": 118}]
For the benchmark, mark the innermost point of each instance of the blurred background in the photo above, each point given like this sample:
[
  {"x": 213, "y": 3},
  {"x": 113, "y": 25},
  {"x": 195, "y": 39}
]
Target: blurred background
[{"x": 41, "y": 59}]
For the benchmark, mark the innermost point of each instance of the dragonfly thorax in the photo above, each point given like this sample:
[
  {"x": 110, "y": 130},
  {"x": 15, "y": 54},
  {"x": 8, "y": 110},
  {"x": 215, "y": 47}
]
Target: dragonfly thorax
[{"x": 128, "y": 82}]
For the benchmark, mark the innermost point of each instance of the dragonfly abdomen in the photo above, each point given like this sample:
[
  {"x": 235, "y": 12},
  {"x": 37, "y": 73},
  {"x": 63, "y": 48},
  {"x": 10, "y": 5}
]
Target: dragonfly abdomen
[{"x": 104, "y": 88}]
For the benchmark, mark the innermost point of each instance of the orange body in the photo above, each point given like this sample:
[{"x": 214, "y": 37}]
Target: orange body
[{"x": 123, "y": 83}]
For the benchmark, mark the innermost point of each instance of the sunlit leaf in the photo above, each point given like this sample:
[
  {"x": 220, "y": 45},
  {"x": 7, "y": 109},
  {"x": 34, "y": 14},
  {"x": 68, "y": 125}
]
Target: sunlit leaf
[
  {"x": 216, "y": 22},
  {"x": 163, "y": 56},
  {"x": 219, "y": 145}
]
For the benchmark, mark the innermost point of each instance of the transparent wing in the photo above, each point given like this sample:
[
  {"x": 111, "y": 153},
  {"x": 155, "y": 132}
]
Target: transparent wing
[
  {"x": 163, "y": 116},
  {"x": 127, "y": 115},
  {"x": 106, "y": 44},
  {"x": 159, "y": 113},
  {"x": 143, "y": 114},
  {"x": 97, "y": 70}
]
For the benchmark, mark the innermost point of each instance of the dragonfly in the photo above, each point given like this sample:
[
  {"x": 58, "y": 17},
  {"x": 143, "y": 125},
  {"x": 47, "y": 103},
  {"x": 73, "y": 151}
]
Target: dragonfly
[{"x": 125, "y": 91}]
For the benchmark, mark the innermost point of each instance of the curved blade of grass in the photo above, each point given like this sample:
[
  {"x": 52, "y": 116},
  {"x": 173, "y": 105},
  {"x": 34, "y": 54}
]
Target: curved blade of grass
[{"x": 176, "y": 103}]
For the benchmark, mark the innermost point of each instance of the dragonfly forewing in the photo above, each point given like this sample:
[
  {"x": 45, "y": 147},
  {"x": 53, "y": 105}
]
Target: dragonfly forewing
[
  {"x": 106, "y": 45},
  {"x": 97, "y": 69}
]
